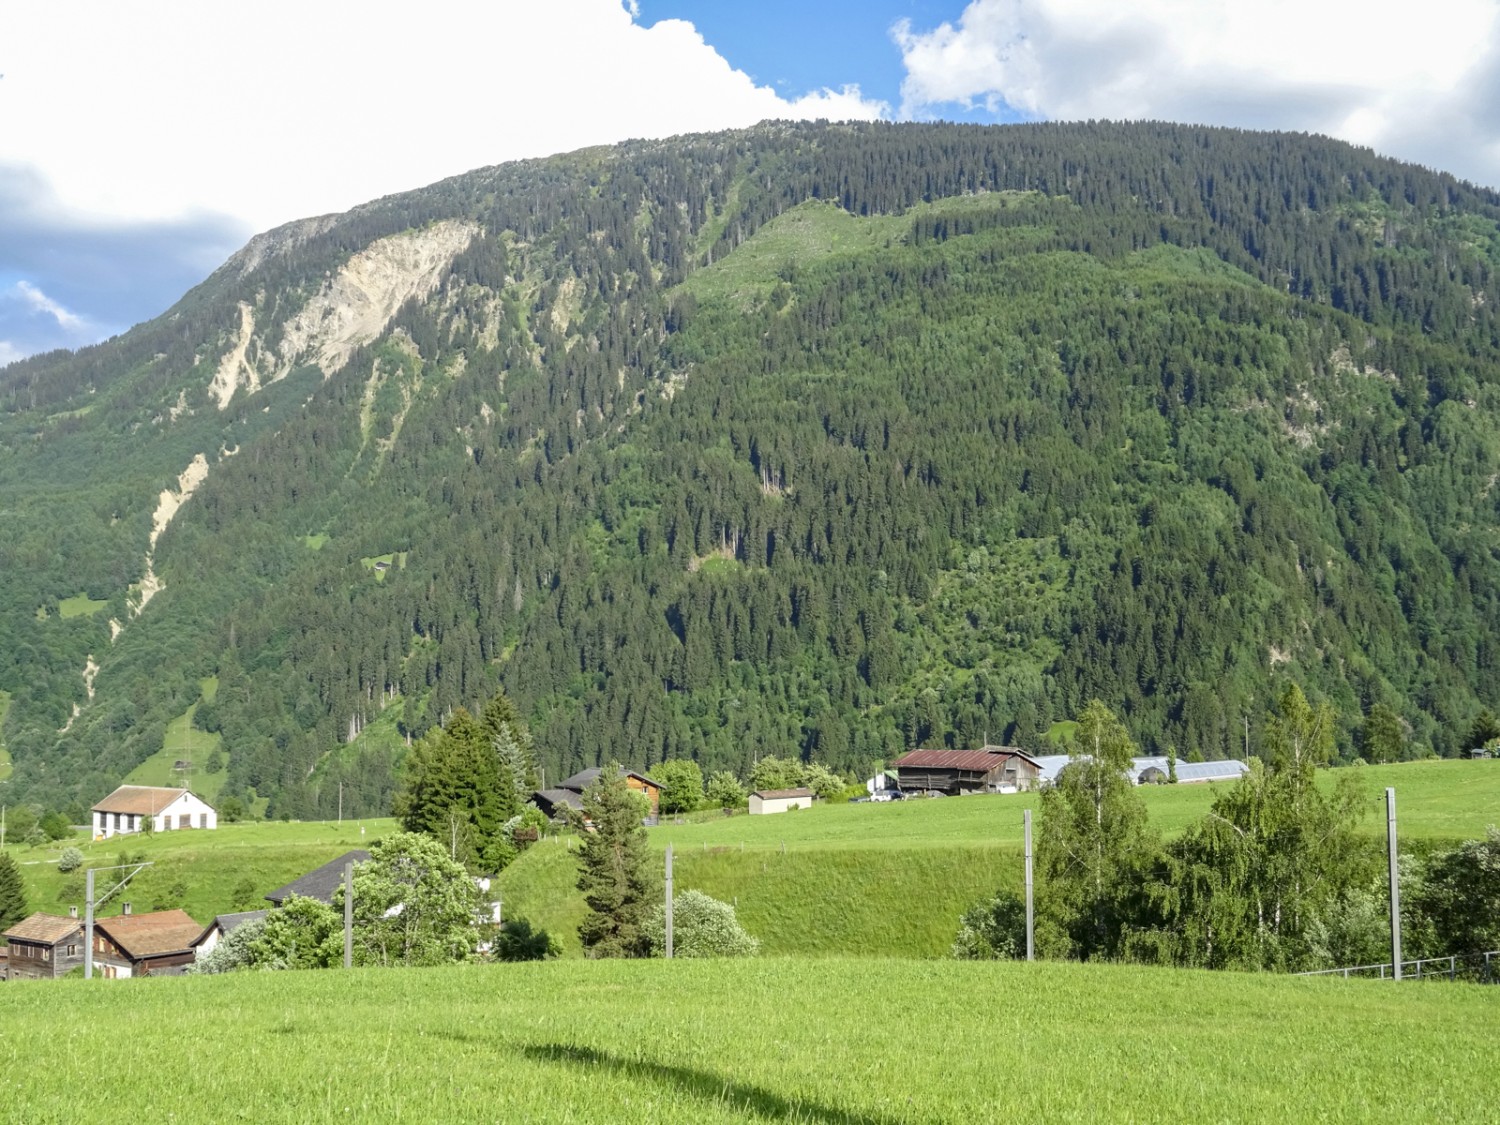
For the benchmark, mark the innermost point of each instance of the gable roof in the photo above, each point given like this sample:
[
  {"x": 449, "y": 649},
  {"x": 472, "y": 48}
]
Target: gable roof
[
  {"x": 981, "y": 760},
  {"x": 151, "y": 935},
  {"x": 781, "y": 794},
  {"x": 321, "y": 882},
  {"x": 48, "y": 928},
  {"x": 555, "y": 797},
  {"x": 584, "y": 778},
  {"x": 138, "y": 800}
]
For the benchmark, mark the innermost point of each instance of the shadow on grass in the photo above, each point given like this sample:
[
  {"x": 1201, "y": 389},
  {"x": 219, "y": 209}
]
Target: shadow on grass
[{"x": 705, "y": 1085}]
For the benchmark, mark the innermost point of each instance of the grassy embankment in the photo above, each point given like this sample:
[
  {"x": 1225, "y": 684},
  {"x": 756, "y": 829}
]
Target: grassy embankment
[
  {"x": 892, "y": 879},
  {"x": 836, "y": 1042},
  {"x": 209, "y": 866}
]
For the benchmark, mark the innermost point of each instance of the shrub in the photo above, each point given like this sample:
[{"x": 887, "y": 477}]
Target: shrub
[
  {"x": 725, "y": 791},
  {"x": 517, "y": 941},
  {"x": 70, "y": 860},
  {"x": 701, "y": 927},
  {"x": 992, "y": 930}
]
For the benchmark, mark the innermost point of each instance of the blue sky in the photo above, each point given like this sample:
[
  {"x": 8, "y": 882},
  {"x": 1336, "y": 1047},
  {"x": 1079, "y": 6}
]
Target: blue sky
[
  {"x": 798, "y": 47},
  {"x": 142, "y": 143}
]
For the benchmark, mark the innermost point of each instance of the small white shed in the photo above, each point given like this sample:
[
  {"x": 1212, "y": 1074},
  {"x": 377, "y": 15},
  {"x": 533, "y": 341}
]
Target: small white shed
[
  {"x": 127, "y": 807},
  {"x": 780, "y": 800}
]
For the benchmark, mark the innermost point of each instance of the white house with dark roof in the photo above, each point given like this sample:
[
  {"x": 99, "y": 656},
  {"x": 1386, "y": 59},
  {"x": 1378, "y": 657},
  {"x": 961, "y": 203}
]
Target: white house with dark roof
[{"x": 129, "y": 806}]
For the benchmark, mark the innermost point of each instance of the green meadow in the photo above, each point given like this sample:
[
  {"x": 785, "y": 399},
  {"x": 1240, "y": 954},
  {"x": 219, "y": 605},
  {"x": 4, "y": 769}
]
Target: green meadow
[
  {"x": 207, "y": 867},
  {"x": 835, "y": 1042},
  {"x": 892, "y": 879},
  {"x": 79, "y": 605},
  {"x": 184, "y": 743}
]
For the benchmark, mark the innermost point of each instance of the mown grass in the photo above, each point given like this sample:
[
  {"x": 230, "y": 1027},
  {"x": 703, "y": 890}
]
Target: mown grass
[
  {"x": 207, "y": 866},
  {"x": 839, "y": 1042},
  {"x": 892, "y": 879}
]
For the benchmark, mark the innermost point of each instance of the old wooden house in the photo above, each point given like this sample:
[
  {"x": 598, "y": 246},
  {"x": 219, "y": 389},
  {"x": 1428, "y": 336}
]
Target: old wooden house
[
  {"x": 159, "y": 944},
  {"x": 992, "y": 769},
  {"x": 569, "y": 793},
  {"x": 44, "y": 947}
]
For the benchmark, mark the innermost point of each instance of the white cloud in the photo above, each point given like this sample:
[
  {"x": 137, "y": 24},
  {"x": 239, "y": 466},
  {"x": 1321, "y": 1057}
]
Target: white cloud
[
  {"x": 1420, "y": 84},
  {"x": 38, "y": 301},
  {"x": 166, "y": 109},
  {"x": 9, "y": 352}
]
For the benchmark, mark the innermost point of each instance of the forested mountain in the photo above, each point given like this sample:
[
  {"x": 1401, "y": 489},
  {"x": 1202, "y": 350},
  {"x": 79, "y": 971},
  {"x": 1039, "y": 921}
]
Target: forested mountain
[{"x": 814, "y": 440}]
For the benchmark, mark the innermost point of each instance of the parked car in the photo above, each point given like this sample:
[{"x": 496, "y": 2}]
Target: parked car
[{"x": 888, "y": 795}]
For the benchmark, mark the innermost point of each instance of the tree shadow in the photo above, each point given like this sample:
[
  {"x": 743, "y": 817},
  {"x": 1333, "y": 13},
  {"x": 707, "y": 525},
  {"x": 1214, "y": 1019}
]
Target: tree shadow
[{"x": 706, "y": 1085}]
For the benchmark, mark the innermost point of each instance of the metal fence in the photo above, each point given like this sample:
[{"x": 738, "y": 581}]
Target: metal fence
[{"x": 1481, "y": 967}]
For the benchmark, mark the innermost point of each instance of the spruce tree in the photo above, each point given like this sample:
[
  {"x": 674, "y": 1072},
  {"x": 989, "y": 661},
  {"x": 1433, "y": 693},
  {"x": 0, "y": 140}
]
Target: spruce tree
[
  {"x": 615, "y": 872},
  {"x": 12, "y": 893}
]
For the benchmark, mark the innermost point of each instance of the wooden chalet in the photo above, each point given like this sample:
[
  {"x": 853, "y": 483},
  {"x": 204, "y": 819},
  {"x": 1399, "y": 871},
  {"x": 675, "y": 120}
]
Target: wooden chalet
[
  {"x": 992, "y": 769},
  {"x": 569, "y": 794},
  {"x": 159, "y": 944},
  {"x": 44, "y": 947}
]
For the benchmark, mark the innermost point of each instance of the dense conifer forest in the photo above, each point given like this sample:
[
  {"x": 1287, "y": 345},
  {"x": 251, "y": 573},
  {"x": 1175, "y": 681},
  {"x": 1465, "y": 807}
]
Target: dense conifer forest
[{"x": 814, "y": 441}]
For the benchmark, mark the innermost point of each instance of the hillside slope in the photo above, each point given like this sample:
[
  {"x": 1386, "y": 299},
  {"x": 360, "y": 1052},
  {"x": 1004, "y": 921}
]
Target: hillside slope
[{"x": 806, "y": 440}]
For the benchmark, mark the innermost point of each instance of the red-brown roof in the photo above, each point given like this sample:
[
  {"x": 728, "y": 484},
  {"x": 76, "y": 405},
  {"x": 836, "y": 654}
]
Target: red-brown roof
[
  {"x": 781, "y": 794},
  {"x": 151, "y": 935},
  {"x": 47, "y": 928},
  {"x": 138, "y": 800},
  {"x": 980, "y": 761}
]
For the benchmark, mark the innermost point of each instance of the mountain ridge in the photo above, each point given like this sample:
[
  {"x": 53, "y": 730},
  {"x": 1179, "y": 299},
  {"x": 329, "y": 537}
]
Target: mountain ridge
[{"x": 522, "y": 430}]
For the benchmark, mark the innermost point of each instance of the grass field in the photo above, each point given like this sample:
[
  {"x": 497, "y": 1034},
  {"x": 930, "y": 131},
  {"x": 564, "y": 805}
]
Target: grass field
[
  {"x": 184, "y": 743},
  {"x": 820, "y": 1042},
  {"x": 208, "y": 865},
  {"x": 892, "y": 879},
  {"x": 79, "y": 605}
]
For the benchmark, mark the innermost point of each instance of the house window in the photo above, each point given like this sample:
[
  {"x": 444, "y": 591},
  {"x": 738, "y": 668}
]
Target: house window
[
  {"x": 72, "y": 951},
  {"x": 46, "y": 953},
  {"x": 117, "y": 822},
  {"x": 185, "y": 820}
]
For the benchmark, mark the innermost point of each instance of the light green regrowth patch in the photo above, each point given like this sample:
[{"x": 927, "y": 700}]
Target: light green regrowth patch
[
  {"x": 1061, "y": 733},
  {"x": 5, "y": 766},
  {"x": 316, "y": 541},
  {"x": 182, "y": 762},
  {"x": 808, "y": 233},
  {"x": 79, "y": 605}
]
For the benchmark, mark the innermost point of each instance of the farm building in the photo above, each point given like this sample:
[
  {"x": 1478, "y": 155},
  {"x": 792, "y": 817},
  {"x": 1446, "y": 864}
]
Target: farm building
[
  {"x": 320, "y": 882},
  {"x": 780, "y": 800},
  {"x": 1155, "y": 771},
  {"x": 129, "y": 806},
  {"x": 993, "y": 769},
  {"x": 159, "y": 944},
  {"x": 569, "y": 794},
  {"x": 44, "y": 947},
  {"x": 222, "y": 925}
]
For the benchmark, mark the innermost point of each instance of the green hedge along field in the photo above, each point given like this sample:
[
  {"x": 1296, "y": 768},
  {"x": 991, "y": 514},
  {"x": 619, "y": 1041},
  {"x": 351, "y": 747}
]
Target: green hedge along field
[{"x": 823, "y": 1042}]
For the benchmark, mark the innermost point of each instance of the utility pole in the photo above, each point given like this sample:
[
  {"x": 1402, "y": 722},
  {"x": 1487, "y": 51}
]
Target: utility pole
[
  {"x": 1390, "y": 835},
  {"x": 1030, "y": 915},
  {"x": 349, "y": 914},
  {"x": 669, "y": 902},
  {"x": 341, "y": 801},
  {"x": 90, "y": 904}
]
